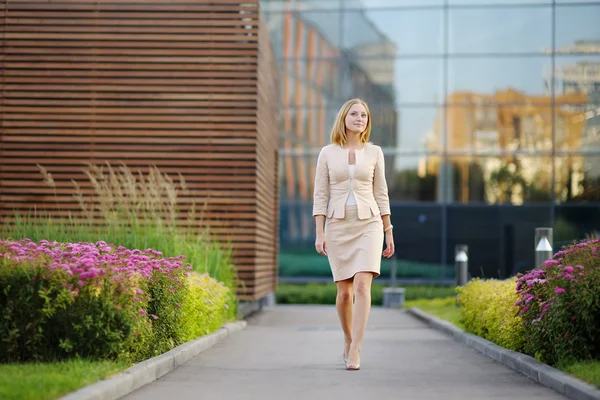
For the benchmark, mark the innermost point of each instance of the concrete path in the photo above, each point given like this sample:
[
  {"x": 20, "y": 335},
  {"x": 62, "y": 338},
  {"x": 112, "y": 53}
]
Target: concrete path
[{"x": 295, "y": 352}]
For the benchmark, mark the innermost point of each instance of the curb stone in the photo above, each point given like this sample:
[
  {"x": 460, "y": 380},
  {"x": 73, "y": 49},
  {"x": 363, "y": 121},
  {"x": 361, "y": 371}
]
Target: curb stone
[
  {"x": 152, "y": 369},
  {"x": 543, "y": 374}
]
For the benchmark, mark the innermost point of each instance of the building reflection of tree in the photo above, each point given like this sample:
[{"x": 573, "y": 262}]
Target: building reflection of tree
[{"x": 501, "y": 146}]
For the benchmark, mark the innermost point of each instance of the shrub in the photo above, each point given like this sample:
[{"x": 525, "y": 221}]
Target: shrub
[
  {"x": 488, "y": 311},
  {"x": 205, "y": 307},
  {"x": 318, "y": 293},
  {"x": 94, "y": 300},
  {"x": 560, "y": 305}
]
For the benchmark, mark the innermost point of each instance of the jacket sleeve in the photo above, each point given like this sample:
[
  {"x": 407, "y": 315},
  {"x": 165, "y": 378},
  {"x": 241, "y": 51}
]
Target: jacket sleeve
[
  {"x": 321, "y": 189},
  {"x": 380, "y": 189}
]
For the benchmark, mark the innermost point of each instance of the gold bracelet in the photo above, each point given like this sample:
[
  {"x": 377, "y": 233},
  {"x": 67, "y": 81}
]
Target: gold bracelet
[{"x": 388, "y": 228}]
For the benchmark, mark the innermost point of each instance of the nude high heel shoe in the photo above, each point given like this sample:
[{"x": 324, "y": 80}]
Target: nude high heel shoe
[
  {"x": 352, "y": 367},
  {"x": 344, "y": 353}
]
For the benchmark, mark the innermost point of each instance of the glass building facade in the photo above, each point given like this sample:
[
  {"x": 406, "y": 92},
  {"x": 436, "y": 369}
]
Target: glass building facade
[{"x": 488, "y": 112}]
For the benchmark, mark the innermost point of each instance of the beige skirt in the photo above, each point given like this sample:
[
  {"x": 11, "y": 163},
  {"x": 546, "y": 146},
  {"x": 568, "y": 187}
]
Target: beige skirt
[{"x": 354, "y": 245}]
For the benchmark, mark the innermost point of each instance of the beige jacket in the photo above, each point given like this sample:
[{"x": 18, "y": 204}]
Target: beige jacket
[{"x": 332, "y": 182}]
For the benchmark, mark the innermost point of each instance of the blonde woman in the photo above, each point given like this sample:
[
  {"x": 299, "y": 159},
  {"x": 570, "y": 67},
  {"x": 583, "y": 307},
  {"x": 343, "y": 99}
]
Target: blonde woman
[{"x": 351, "y": 195}]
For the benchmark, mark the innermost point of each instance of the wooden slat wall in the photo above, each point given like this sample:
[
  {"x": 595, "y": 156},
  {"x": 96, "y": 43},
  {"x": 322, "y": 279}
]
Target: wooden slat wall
[
  {"x": 187, "y": 86},
  {"x": 267, "y": 230}
]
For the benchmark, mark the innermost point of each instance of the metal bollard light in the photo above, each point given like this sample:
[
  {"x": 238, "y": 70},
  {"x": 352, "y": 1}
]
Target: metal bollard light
[
  {"x": 461, "y": 260},
  {"x": 393, "y": 297},
  {"x": 543, "y": 246}
]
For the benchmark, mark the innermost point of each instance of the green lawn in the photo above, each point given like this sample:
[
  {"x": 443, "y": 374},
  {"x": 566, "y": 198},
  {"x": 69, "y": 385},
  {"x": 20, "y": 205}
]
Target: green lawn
[
  {"x": 443, "y": 308},
  {"x": 52, "y": 380},
  {"x": 447, "y": 310},
  {"x": 588, "y": 371}
]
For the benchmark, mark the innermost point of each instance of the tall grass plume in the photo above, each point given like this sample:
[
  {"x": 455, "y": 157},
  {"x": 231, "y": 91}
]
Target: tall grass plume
[{"x": 136, "y": 211}]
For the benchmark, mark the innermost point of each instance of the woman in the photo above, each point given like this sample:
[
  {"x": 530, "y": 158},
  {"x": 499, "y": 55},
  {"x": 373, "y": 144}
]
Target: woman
[{"x": 351, "y": 194}]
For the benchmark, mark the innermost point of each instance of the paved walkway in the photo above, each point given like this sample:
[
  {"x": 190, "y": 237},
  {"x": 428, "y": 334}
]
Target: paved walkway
[{"x": 295, "y": 352}]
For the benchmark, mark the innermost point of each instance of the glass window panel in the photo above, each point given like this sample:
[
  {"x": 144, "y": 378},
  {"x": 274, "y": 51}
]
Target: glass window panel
[
  {"x": 497, "y": 2},
  {"x": 384, "y": 126},
  {"x": 373, "y": 4},
  {"x": 500, "y": 30},
  {"x": 498, "y": 180},
  {"x": 309, "y": 126},
  {"x": 412, "y": 178},
  {"x": 284, "y": 28},
  {"x": 398, "y": 81},
  {"x": 394, "y": 32},
  {"x": 296, "y": 222},
  {"x": 577, "y": 78},
  {"x": 284, "y": 5},
  {"x": 577, "y": 215},
  {"x": 319, "y": 76},
  {"x": 577, "y": 109},
  {"x": 410, "y": 129},
  {"x": 578, "y": 29},
  {"x": 578, "y": 176},
  {"x": 499, "y": 128},
  {"x": 514, "y": 80},
  {"x": 576, "y": 1},
  {"x": 577, "y": 126},
  {"x": 291, "y": 5},
  {"x": 275, "y": 24},
  {"x": 326, "y": 23}
]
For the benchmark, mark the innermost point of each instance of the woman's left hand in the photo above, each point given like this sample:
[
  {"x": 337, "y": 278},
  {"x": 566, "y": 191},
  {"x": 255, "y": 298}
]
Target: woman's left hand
[{"x": 390, "y": 249}]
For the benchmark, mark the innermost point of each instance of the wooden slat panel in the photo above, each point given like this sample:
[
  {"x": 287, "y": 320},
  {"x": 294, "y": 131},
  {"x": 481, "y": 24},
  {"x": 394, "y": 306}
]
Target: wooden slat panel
[
  {"x": 186, "y": 87},
  {"x": 267, "y": 228}
]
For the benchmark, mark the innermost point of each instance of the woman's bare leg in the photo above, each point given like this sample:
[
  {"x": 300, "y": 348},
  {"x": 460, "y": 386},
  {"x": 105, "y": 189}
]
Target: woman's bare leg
[
  {"x": 343, "y": 304},
  {"x": 362, "y": 308}
]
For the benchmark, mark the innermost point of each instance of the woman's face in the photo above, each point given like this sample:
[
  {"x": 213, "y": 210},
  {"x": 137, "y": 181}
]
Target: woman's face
[{"x": 356, "y": 120}]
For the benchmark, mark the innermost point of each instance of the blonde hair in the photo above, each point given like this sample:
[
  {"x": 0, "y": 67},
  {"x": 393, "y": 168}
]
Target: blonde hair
[{"x": 338, "y": 132}]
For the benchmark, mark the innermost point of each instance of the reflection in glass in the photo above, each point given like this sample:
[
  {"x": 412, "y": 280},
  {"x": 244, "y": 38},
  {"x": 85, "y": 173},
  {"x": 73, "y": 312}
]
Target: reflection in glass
[
  {"x": 496, "y": 2},
  {"x": 499, "y": 80},
  {"x": 496, "y": 128},
  {"x": 498, "y": 180},
  {"x": 414, "y": 179},
  {"x": 393, "y": 32},
  {"x": 317, "y": 75},
  {"x": 305, "y": 34},
  {"x": 416, "y": 129},
  {"x": 578, "y": 177},
  {"x": 408, "y": 81},
  {"x": 576, "y": 78},
  {"x": 577, "y": 103},
  {"x": 374, "y": 4},
  {"x": 287, "y": 5},
  {"x": 500, "y": 30},
  {"x": 284, "y": 5},
  {"x": 296, "y": 184},
  {"x": 577, "y": 29}
]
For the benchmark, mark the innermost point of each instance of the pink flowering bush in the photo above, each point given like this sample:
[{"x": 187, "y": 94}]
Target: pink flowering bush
[
  {"x": 560, "y": 305},
  {"x": 59, "y": 300}
]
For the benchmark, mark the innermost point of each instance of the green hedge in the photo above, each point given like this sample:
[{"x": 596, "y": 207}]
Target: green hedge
[
  {"x": 325, "y": 293},
  {"x": 551, "y": 313},
  {"x": 488, "y": 310}
]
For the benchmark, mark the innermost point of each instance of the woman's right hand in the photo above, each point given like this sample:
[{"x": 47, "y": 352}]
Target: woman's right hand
[{"x": 320, "y": 244}]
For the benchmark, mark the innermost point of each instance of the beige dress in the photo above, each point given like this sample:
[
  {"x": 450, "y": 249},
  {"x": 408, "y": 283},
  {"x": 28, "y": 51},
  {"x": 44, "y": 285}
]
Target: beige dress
[{"x": 354, "y": 245}]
